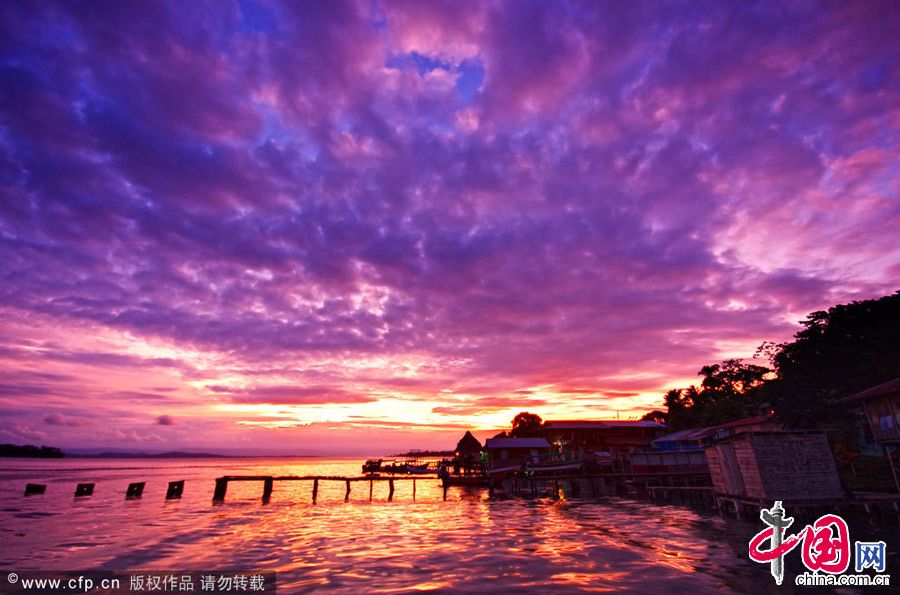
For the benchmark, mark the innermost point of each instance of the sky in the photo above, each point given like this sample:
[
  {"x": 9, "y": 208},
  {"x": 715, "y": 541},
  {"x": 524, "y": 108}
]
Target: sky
[{"x": 341, "y": 227}]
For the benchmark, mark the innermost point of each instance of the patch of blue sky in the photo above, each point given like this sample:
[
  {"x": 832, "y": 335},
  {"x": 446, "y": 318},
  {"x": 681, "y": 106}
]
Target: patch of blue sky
[
  {"x": 471, "y": 76},
  {"x": 470, "y": 71},
  {"x": 275, "y": 131},
  {"x": 256, "y": 18},
  {"x": 422, "y": 63}
]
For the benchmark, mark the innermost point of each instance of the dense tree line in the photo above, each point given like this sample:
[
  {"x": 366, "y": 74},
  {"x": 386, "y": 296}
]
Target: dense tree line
[
  {"x": 28, "y": 450},
  {"x": 837, "y": 353}
]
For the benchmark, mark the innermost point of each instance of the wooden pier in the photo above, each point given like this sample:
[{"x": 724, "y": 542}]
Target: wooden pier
[
  {"x": 269, "y": 484},
  {"x": 686, "y": 489}
]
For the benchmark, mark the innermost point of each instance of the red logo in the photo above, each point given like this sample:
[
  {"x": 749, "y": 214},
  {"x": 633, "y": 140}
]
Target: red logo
[{"x": 826, "y": 543}]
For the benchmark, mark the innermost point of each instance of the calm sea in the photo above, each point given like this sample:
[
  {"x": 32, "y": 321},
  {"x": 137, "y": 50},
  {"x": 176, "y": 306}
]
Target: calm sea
[{"x": 464, "y": 544}]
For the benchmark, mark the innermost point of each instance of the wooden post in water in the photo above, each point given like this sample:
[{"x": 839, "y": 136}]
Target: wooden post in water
[
  {"x": 347, "y": 495},
  {"x": 371, "y": 483},
  {"x": 391, "y": 489},
  {"x": 221, "y": 488},
  {"x": 315, "y": 489},
  {"x": 445, "y": 492},
  {"x": 268, "y": 485},
  {"x": 134, "y": 491},
  {"x": 176, "y": 488},
  {"x": 414, "y": 489},
  {"x": 32, "y": 489},
  {"x": 84, "y": 489}
]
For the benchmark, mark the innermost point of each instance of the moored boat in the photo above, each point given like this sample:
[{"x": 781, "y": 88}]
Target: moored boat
[
  {"x": 555, "y": 462},
  {"x": 372, "y": 466},
  {"x": 504, "y": 470},
  {"x": 417, "y": 468}
]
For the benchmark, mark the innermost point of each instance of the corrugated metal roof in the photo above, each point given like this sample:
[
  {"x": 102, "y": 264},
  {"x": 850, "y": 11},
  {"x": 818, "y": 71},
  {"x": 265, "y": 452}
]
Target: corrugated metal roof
[
  {"x": 517, "y": 443},
  {"x": 695, "y": 434},
  {"x": 599, "y": 424},
  {"x": 747, "y": 421},
  {"x": 888, "y": 388},
  {"x": 701, "y": 433}
]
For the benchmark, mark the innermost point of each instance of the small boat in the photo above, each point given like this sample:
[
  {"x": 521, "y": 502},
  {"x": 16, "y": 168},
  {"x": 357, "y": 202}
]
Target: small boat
[
  {"x": 554, "y": 467},
  {"x": 417, "y": 468},
  {"x": 372, "y": 466},
  {"x": 465, "y": 480},
  {"x": 504, "y": 470},
  {"x": 393, "y": 467},
  {"x": 552, "y": 463}
]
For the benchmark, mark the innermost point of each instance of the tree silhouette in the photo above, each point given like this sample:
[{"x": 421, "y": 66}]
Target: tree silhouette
[
  {"x": 526, "y": 424},
  {"x": 729, "y": 390},
  {"x": 837, "y": 353},
  {"x": 849, "y": 348},
  {"x": 657, "y": 416}
]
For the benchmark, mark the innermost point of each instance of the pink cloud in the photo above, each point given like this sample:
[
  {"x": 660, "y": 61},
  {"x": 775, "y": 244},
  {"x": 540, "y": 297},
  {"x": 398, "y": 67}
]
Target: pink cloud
[{"x": 348, "y": 204}]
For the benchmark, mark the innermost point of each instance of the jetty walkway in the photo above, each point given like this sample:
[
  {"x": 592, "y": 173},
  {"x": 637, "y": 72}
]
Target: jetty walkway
[
  {"x": 269, "y": 483},
  {"x": 175, "y": 489}
]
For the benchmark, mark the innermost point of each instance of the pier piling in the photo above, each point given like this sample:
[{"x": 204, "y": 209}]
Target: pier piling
[
  {"x": 347, "y": 494},
  {"x": 134, "y": 491},
  {"x": 315, "y": 493},
  {"x": 391, "y": 489},
  {"x": 32, "y": 489},
  {"x": 221, "y": 488},
  {"x": 84, "y": 490},
  {"x": 175, "y": 490},
  {"x": 268, "y": 484},
  {"x": 371, "y": 483}
]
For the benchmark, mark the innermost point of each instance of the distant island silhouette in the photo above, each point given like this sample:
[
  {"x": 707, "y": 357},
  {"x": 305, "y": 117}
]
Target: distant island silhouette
[
  {"x": 424, "y": 453},
  {"x": 52, "y": 452},
  {"x": 29, "y": 450},
  {"x": 147, "y": 455}
]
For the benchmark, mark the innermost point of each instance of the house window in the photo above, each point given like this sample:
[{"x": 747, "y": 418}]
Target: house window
[
  {"x": 885, "y": 419},
  {"x": 504, "y": 455}
]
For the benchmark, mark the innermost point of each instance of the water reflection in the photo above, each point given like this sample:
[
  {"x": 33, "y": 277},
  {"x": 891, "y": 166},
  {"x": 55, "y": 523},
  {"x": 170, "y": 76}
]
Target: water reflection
[{"x": 464, "y": 544}]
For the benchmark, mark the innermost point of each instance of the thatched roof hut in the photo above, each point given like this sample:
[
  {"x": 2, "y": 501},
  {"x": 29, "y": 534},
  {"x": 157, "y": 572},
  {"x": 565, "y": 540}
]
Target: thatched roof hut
[{"x": 468, "y": 444}]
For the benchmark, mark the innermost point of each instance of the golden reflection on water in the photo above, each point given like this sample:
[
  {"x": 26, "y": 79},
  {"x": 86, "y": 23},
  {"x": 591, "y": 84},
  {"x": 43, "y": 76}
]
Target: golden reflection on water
[{"x": 465, "y": 544}]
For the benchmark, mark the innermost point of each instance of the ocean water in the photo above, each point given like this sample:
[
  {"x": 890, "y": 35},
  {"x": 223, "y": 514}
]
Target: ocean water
[{"x": 465, "y": 544}]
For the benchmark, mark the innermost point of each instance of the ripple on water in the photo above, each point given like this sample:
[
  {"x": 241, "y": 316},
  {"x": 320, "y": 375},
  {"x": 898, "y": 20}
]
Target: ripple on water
[{"x": 466, "y": 544}]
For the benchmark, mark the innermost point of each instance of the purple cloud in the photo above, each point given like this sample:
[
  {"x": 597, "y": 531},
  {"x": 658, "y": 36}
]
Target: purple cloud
[
  {"x": 348, "y": 202},
  {"x": 55, "y": 419}
]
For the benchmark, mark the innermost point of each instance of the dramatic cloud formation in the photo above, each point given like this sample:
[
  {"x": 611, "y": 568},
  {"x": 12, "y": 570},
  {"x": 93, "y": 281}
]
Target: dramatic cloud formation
[{"x": 312, "y": 224}]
